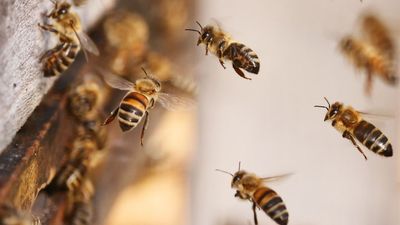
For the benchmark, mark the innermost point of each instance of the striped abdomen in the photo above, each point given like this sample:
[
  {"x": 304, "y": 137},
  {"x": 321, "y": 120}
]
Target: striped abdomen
[
  {"x": 82, "y": 214},
  {"x": 269, "y": 201},
  {"x": 373, "y": 138},
  {"x": 58, "y": 59},
  {"x": 131, "y": 110},
  {"x": 242, "y": 57}
]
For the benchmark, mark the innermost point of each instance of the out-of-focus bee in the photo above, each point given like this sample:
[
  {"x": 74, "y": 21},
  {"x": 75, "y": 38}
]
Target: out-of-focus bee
[
  {"x": 81, "y": 214},
  {"x": 350, "y": 123},
  {"x": 67, "y": 27},
  {"x": 71, "y": 176},
  {"x": 225, "y": 48},
  {"x": 250, "y": 187},
  {"x": 375, "y": 53},
  {"x": 11, "y": 216},
  {"x": 127, "y": 36},
  {"x": 83, "y": 99},
  {"x": 141, "y": 97},
  {"x": 79, "y": 2}
]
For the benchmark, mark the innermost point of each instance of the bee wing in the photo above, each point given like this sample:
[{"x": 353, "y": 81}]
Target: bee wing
[
  {"x": 175, "y": 103},
  {"x": 376, "y": 115},
  {"x": 87, "y": 43},
  {"x": 275, "y": 178},
  {"x": 116, "y": 81}
]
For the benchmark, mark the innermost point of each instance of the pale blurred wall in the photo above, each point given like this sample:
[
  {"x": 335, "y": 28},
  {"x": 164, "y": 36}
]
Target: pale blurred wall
[{"x": 270, "y": 124}]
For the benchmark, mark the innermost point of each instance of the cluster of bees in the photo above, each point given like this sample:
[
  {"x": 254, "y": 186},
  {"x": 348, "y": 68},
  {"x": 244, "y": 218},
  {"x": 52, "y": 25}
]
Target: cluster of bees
[{"x": 374, "y": 53}]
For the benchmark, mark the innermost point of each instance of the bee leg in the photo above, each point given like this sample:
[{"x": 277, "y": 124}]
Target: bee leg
[
  {"x": 368, "y": 85},
  {"x": 146, "y": 119},
  {"x": 347, "y": 135},
  {"x": 255, "y": 213},
  {"x": 219, "y": 52},
  {"x": 207, "y": 49},
  {"x": 239, "y": 72},
  {"x": 111, "y": 117},
  {"x": 48, "y": 27},
  {"x": 222, "y": 63},
  {"x": 51, "y": 52}
]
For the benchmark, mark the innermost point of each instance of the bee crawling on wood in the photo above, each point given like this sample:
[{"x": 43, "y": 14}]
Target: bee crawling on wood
[
  {"x": 225, "y": 48},
  {"x": 68, "y": 28}
]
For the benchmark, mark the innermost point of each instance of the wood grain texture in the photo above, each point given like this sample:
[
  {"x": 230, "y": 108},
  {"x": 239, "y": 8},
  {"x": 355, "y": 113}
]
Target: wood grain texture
[{"x": 22, "y": 84}]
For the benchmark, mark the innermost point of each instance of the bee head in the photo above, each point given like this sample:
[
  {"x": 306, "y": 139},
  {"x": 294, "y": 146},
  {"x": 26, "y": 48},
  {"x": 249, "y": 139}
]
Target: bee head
[
  {"x": 59, "y": 10},
  {"x": 148, "y": 85},
  {"x": 236, "y": 178},
  {"x": 332, "y": 110},
  {"x": 346, "y": 44},
  {"x": 205, "y": 33}
]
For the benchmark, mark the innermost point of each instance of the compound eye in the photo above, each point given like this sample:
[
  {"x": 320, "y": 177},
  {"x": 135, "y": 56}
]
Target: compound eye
[{"x": 205, "y": 35}]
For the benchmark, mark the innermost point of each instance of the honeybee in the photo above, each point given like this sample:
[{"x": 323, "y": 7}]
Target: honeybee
[
  {"x": 251, "y": 187},
  {"x": 140, "y": 98},
  {"x": 225, "y": 48},
  {"x": 83, "y": 99},
  {"x": 67, "y": 27},
  {"x": 375, "y": 53},
  {"x": 81, "y": 214},
  {"x": 352, "y": 126},
  {"x": 72, "y": 175},
  {"x": 79, "y": 2},
  {"x": 126, "y": 36},
  {"x": 11, "y": 216}
]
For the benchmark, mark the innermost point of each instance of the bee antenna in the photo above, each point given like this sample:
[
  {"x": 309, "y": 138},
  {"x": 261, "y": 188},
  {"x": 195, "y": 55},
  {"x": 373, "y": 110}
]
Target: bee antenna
[
  {"x": 329, "y": 104},
  {"x": 145, "y": 72},
  {"x": 194, "y": 30},
  {"x": 201, "y": 27},
  {"x": 54, "y": 2},
  {"x": 223, "y": 171},
  {"x": 239, "y": 166},
  {"x": 321, "y": 106}
]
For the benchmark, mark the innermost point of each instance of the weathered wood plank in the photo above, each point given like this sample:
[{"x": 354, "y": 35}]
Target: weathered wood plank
[{"x": 22, "y": 84}]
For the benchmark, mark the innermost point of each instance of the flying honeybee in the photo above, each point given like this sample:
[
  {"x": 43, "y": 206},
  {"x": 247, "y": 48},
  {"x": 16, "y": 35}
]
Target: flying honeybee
[
  {"x": 141, "y": 97},
  {"x": 375, "y": 53},
  {"x": 225, "y": 48},
  {"x": 251, "y": 187},
  {"x": 67, "y": 27},
  {"x": 352, "y": 126}
]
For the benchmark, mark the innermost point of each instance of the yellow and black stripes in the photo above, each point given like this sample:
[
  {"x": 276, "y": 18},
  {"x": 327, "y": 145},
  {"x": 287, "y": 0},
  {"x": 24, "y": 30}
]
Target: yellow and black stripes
[
  {"x": 243, "y": 57},
  {"x": 373, "y": 138},
  {"x": 269, "y": 201},
  {"x": 131, "y": 110},
  {"x": 58, "y": 59}
]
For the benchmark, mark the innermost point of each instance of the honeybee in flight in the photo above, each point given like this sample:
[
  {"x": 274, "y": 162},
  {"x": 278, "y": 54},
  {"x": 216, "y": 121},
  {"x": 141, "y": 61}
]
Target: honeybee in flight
[
  {"x": 251, "y": 187},
  {"x": 67, "y": 27},
  {"x": 140, "y": 98},
  {"x": 375, "y": 53},
  {"x": 352, "y": 126},
  {"x": 225, "y": 48}
]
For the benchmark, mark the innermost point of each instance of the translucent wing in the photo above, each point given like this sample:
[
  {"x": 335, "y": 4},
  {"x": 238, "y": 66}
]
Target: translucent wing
[
  {"x": 87, "y": 43},
  {"x": 376, "y": 115},
  {"x": 175, "y": 103},
  {"x": 116, "y": 81},
  {"x": 275, "y": 178}
]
